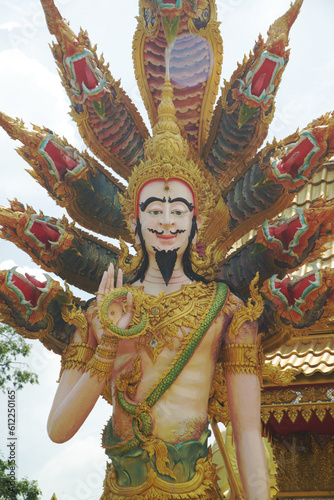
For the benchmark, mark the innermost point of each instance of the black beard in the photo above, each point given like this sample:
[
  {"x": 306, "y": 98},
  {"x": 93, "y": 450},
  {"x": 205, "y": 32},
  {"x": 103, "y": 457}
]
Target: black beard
[
  {"x": 186, "y": 262},
  {"x": 166, "y": 262}
]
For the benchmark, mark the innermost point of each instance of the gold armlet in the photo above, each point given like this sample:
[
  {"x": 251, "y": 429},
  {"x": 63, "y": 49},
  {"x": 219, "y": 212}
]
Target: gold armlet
[
  {"x": 101, "y": 368},
  {"x": 243, "y": 358},
  {"x": 76, "y": 356}
]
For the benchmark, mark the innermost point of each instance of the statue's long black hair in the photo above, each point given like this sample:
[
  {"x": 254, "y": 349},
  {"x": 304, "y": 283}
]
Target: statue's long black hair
[{"x": 188, "y": 270}]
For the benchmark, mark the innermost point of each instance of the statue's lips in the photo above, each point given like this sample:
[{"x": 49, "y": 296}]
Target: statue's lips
[
  {"x": 166, "y": 241},
  {"x": 166, "y": 236}
]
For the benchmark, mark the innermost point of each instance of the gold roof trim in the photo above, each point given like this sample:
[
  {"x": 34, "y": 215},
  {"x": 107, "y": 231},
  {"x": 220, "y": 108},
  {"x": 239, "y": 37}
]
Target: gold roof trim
[{"x": 293, "y": 401}]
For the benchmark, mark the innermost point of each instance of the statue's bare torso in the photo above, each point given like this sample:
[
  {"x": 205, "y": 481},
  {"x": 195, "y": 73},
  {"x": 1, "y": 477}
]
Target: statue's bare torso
[{"x": 181, "y": 413}]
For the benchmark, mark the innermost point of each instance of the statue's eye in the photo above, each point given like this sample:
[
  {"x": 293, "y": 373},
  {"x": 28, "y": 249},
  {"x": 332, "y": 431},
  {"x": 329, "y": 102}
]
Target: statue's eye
[
  {"x": 155, "y": 212},
  {"x": 178, "y": 212}
]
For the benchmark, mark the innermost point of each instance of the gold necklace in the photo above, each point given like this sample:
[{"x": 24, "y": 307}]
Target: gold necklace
[{"x": 170, "y": 315}]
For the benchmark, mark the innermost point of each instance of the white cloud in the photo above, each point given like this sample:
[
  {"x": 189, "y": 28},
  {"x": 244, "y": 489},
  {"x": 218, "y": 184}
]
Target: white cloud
[
  {"x": 34, "y": 94},
  {"x": 9, "y": 26},
  {"x": 7, "y": 264},
  {"x": 80, "y": 472},
  {"x": 39, "y": 96},
  {"x": 33, "y": 271}
]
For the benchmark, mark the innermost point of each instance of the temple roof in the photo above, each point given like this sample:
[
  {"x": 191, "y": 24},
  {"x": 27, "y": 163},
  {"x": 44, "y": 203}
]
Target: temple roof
[
  {"x": 307, "y": 403},
  {"x": 306, "y": 355},
  {"x": 322, "y": 184}
]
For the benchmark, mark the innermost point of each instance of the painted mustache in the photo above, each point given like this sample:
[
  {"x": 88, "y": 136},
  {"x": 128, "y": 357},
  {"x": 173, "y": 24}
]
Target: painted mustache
[{"x": 177, "y": 231}]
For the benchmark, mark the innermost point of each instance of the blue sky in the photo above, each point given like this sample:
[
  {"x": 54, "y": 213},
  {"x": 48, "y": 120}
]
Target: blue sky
[{"x": 30, "y": 89}]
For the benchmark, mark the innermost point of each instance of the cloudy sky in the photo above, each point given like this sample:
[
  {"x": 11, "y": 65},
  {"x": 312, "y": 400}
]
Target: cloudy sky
[{"x": 31, "y": 90}]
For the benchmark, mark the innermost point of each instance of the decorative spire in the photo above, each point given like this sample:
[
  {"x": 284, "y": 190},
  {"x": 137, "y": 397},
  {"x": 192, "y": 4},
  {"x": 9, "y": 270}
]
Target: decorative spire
[
  {"x": 168, "y": 155},
  {"x": 167, "y": 142}
]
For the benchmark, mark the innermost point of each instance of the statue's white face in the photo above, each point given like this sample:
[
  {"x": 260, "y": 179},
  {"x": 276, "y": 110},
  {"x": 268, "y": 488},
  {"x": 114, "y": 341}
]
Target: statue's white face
[{"x": 165, "y": 214}]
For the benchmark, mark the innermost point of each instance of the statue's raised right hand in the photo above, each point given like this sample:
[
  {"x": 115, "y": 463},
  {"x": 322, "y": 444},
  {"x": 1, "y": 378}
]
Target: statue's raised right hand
[{"x": 115, "y": 311}]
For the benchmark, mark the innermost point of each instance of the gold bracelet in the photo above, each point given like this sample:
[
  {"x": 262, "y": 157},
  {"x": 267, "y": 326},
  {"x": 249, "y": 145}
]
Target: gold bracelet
[
  {"x": 102, "y": 369},
  {"x": 76, "y": 356},
  {"x": 90, "y": 313},
  {"x": 109, "y": 340},
  {"x": 105, "y": 353},
  {"x": 94, "y": 313},
  {"x": 242, "y": 358}
]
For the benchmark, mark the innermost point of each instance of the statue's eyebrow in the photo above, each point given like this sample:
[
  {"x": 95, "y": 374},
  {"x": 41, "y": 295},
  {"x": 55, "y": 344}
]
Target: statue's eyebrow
[
  {"x": 182, "y": 200},
  {"x": 144, "y": 204}
]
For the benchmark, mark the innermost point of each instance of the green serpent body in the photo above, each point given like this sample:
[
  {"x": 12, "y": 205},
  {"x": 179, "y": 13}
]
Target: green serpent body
[{"x": 105, "y": 320}]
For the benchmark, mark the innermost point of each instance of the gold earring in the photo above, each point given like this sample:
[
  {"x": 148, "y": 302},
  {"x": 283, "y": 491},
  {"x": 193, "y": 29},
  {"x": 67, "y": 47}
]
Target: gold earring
[
  {"x": 126, "y": 262},
  {"x": 204, "y": 263}
]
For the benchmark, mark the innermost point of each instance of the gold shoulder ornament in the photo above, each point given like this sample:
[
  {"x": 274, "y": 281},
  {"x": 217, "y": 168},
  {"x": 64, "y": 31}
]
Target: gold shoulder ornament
[{"x": 250, "y": 312}]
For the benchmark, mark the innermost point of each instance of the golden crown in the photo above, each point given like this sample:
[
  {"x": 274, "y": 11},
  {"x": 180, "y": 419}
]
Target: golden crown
[{"x": 168, "y": 156}]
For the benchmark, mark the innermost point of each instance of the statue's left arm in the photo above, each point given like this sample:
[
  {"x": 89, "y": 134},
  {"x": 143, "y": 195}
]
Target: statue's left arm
[{"x": 242, "y": 371}]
